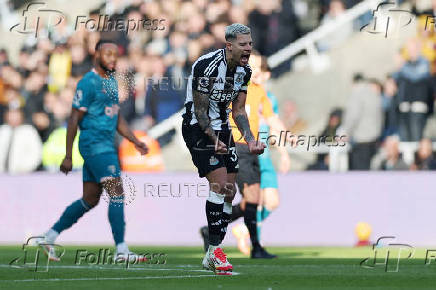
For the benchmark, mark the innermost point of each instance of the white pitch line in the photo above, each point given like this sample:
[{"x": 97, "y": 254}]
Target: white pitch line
[
  {"x": 122, "y": 268},
  {"x": 113, "y": 268},
  {"x": 109, "y": 278}
]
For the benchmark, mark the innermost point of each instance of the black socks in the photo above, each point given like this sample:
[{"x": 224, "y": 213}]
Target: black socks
[
  {"x": 236, "y": 212},
  {"x": 251, "y": 222},
  {"x": 214, "y": 214}
]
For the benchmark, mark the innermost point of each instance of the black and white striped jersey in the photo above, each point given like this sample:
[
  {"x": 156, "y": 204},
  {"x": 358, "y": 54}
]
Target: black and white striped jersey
[{"x": 209, "y": 75}]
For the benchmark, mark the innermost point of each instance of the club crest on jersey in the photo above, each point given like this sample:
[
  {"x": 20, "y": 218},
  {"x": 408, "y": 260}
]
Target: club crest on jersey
[
  {"x": 111, "y": 168},
  {"x": 112, "y": 111},
  {"x": 78, "y": 97},
  {"x": 239, "y": 78},
  {"x": 204, "y": 82},
  {"x": 213, "y": 161}
]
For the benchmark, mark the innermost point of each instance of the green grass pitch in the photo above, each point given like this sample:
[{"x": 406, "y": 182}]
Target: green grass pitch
[{"x": 296, "y": 268}]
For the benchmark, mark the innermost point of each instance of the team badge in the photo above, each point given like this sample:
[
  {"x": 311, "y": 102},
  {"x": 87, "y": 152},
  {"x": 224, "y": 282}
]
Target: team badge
[
  {"x": 78, "y": 97},
  {"x": 111, "y": 168},
  {"x": 239, "y": 78},
  {"x": 213, "y": 161},
  {"x": 204, "y": 82}
]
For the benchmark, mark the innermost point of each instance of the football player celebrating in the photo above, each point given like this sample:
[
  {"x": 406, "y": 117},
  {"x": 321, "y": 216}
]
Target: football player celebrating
[{"x": 218, "y": 79}]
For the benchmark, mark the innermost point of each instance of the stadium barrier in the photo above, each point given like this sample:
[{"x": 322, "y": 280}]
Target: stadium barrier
[
  {"x": 308, "y": 41},
  {"x": 317, "y": 208}
]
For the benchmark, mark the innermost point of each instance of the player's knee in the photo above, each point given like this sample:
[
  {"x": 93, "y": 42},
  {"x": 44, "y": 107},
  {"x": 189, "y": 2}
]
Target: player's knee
[
  {"x": 113, "y": 187},
  {"x": 92, "y": 201},
  {"x": 271, "y": 206},
  {"x": 271, "y": 200},
  {"x": 217, "y": 186},
  {"x": 252, "y": 193},
  {"x": 230, "y": 192}
]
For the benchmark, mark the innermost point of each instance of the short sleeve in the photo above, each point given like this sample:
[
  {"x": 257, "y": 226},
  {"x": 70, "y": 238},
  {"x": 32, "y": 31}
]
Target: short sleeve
[
  {"x": 247, "y": 78},
  {"x": 83, "y": 97},
  {"x": 201, "y": 77}
]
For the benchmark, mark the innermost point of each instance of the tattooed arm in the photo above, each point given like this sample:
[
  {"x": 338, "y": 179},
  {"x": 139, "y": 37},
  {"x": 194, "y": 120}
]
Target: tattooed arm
[
  {"x": 201, "y": 107},
  {"x": 241, "y": 120},
  {"x": 240, "y": 117}
]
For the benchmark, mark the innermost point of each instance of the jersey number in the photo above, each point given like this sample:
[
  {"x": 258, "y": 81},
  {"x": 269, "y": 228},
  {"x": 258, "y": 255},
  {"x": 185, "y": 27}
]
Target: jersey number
[{"x": 234, "y": 157}]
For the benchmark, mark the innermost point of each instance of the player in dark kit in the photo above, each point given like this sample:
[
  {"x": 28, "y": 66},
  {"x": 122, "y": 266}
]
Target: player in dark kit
[
  {"x": 218, "y": 79},
  {"x": 95, "y": 110}
]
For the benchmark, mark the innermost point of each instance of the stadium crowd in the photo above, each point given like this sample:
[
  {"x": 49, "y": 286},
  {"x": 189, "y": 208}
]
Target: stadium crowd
[
  {"x": 382, "y": 113},
  {"x": 36, "y": 93}
]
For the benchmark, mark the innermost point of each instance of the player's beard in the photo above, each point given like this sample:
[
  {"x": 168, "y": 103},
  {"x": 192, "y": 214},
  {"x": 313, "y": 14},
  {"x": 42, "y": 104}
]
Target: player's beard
[{"x": 106, "y": 69}]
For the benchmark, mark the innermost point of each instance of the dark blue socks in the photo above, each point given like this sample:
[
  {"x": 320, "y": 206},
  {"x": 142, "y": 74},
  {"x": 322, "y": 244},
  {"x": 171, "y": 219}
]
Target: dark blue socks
[
  {"x": 116, "y": 218},
  {"x": 71, "y": 214}
]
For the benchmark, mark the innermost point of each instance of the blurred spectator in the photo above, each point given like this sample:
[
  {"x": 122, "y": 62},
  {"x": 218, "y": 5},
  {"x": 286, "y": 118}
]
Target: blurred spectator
[
  {"x": 424, "y": 157},
  {"x": 426, "y": 39},
  {"x": 322, "y": 160},
  {"x": 336, "y": 9},
  {"x": 59, "y": 68},
  {"x": 390, "y": 158},
  {"x": 430, "y": 11},
  {"x": 81, "y": 62},
  {"x": 53, "y": 151},
  {"x": 390, "y": 107},
  {"x": 4, "y": 58},
  {"x": 163, "y": 98},
  {"x": 325, "y": 5},
  {"x": 363, "y": 121},
  {"x": 126, "y": 89},
  {"x": 290, "y": 117},
  {"x": 11, "y": 78},
  {"x": 20, "y": 145},
  {"x": 333, "y": 124},
  {"x": 273, "y": 26},
  {"x": 36, "y": 114},
  {"x": 23, "y": 63},
  {"x": 321, "y": 163},
  {"x": 415, "y": 94}
]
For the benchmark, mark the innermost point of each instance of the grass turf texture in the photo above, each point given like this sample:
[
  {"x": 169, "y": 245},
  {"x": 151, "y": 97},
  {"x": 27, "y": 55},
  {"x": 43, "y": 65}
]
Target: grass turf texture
[{"x": 296, "y": 268}]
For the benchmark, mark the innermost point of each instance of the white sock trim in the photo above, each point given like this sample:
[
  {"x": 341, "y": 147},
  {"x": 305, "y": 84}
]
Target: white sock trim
[
  {"x": 122, "y": 248},
  {"x": 227, "y": 207},
  {"x": 215, "y": 197},
  {"x": 212, "y": 248},
  {"x": 51, "y": 235}
]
